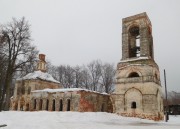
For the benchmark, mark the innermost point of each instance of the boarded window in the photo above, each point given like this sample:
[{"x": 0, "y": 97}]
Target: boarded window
[
  {"x": 60, "y": 105},
  {"x": 68, "y": 104}
]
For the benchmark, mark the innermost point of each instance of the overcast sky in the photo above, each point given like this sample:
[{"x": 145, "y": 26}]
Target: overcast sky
[{"x": 76, "y": 32}]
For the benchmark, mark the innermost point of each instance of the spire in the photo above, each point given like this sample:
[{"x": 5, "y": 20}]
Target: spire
[{"x": 41, "y": 63}]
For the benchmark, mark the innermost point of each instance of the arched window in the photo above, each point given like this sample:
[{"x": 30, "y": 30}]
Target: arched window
[
  {"x": 18, "y": 91},
  {"x": 133, "y": 74},
  {"x": 133, "y": 105},
  {"x": 47, "y": 104},
  {"x": 102, "y": 108},
  {"x": 34, "y": 103},
  {"x": 156, "y": 76},
  {"x": 40, "y": 104},
  {"x": 54, "y": 105},
  {"x": 68, "y": 104},
  {"x": 29, "y": 90},
  {"x": 16, "y": 107},
  {"x": 21, "y": 107},
  {"x": 60, "y": 105},
  {"x": 23, "y": 90},
  {"x": 27, "y": 107},
  {"x": 134, "y": 42}
]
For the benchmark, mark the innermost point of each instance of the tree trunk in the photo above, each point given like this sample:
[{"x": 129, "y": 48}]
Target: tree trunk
[{"x": 6, "y": 91}]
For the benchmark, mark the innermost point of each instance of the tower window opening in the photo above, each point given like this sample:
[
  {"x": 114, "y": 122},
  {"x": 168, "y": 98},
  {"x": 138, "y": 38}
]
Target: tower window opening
[
  {"x": 134, "y": 42},
  {"x": 133, "y": 74},
  {"x": 137, "y": 46}
]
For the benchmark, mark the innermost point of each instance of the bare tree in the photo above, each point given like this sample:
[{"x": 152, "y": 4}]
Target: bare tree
[
  {"x": 78, "y": 76},
  {"x": 61, "y": 74},
  {"x": 107, "y": 74},
  {"x": 95, "y": 73},
  {"x": 86, "y": 78},
  {"x": 17, "y": 49},
  {"x": 69, "y": 77}
]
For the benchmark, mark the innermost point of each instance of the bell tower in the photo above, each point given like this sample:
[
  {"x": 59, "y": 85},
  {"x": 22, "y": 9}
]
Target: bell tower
[{"x": 138, "y": 88}]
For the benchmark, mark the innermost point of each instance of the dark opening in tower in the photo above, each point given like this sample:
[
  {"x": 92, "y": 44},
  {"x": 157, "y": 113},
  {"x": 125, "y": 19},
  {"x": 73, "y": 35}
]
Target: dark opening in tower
[{"x": 134, "y": 42}]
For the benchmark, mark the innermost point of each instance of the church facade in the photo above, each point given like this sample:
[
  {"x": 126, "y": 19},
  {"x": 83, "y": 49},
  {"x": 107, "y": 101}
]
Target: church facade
[{"x": 137, "y": 92}]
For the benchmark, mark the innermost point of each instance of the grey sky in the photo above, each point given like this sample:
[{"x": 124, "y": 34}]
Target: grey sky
[{"x": 79, "y": 31}]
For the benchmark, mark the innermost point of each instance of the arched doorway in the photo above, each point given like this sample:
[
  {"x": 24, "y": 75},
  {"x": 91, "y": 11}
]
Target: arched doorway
[
  {"x": 68, "y": 104},
  {"x": 53, "y": 105},
  {"x": 133, "y": 100},
  {"x": 34, "y": 104},
  {"x": 47, "y": 105},
  {"x": 60, "y": 105},
  {"x": 40, "y": 104}
]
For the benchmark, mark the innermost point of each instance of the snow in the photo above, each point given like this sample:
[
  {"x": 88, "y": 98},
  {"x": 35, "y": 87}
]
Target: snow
[
  {"x": 80, "y": 120},
  {"x": 67, "y": 90},
  {"x": 134, "y": 59},
  {"x": 39, "y": 75}
]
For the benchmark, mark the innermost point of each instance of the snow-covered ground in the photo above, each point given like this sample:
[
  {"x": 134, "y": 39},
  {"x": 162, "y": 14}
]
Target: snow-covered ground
[{"x": 77, "y": 120}]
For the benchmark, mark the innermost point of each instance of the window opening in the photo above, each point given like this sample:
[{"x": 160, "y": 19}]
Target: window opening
[
  {"x": 23, "y": 90},
  {"x": 27, "y": 107},
  {"x": 68, "y": 104},
  {"x": 102, "y": 108},
  {"x": 40, "y": 104},
  {"x": 134, "y": 42},
  {"x": 21, "y": 107},
  {"x": 34, "y": 103},
  {"x": 133, "y": 105},
  {"x": 53, "y": 106},
  {"x": 61, "y": 105},
  {"x": 29, "y": 90},
  {"x": 47, "y": 104},
  {"x": 133, "y": 74},
  {"x": 138, "y": 46}
]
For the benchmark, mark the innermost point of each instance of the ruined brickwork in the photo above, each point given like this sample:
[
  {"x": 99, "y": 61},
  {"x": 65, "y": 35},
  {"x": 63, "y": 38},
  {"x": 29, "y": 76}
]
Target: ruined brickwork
[
  {"x": 138, "y": 88},
  {"x": 73, "y": 99}
]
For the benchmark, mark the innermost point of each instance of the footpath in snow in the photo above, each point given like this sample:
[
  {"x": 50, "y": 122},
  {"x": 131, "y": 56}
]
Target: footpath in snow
[{"x": 78, "y": 120}]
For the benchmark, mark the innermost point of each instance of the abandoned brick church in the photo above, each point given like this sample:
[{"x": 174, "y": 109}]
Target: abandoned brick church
[{"x": 137, "y": 90}]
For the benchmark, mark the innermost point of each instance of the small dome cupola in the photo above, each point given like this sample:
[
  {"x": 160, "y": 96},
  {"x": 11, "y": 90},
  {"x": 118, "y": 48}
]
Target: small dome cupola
[{"x": 41, "y": 66}]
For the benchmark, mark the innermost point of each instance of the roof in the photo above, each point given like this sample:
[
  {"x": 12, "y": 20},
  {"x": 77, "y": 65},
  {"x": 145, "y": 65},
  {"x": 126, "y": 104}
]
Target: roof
[
  {"x": 67, "y": 90},
  {"x": 39, "y": 75}
]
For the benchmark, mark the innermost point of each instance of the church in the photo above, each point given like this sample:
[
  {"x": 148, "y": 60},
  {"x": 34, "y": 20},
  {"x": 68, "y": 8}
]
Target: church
[{"x": 138, "y": 90}]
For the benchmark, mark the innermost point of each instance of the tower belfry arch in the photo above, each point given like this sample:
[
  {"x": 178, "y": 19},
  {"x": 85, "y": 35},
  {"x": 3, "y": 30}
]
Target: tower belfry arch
[
  {"x": 137, "y": 74},
  {"x": 137, "y": 40}
]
